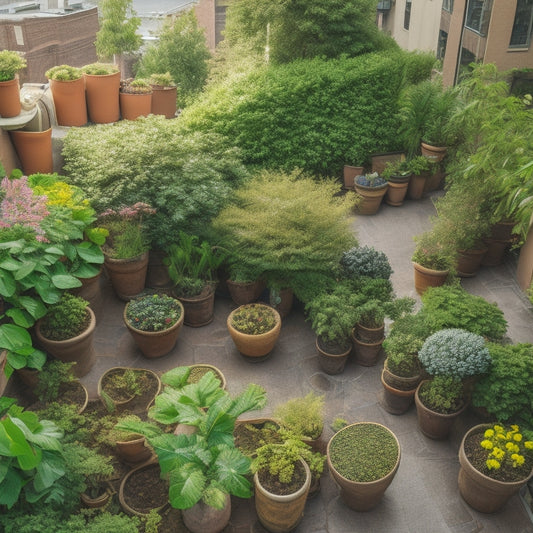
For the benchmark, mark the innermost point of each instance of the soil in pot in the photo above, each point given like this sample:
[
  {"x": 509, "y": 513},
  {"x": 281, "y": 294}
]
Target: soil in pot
[{"x": 272, "y": 483}]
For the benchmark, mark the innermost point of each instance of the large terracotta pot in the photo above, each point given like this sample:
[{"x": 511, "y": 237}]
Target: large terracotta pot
[
  {"x": 199, "y": 310},
  {"x": 366, "y": 353},
  {"x": 434, "y": 425},
  {"x": 133, "y": 451},
  {"x": 127, "y": 276},
  {"x": 332, "y": 363},
  {"x": 416, "y": 186},
  {"x": 255, "y": 347},
  {"x": 34, "y": 149},
  {"x": 397, "y": 190},
  {"x": 281, "y": 513},
  {"x": 10, "y": 98},
  {"x": 133, "y": 106},
  {"x": 102, "y": 97},
  {"x": 155, "y": 343},
  {"x": 481, "y": 492},
  {"x": 433, "y": 153},
  {"x": 349, "y": 173},
  {"x": 201, "y": 518},
  {"x": 372, "y": 197},
  {"x": 427, "y": 277},
  {"x": 79, "y": 350},
  {"x": 469, "y": 262},
  {"x": 358, "y": 495},
  {"x": 245, "y": 292},
  {"x": 69, "y": 102},
  {"x": 164, "y": 101},
  {"x": 396, "y": 401}
]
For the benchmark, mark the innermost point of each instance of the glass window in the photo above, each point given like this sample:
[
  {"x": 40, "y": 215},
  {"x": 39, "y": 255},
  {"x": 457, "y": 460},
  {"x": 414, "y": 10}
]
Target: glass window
[
  {"x": 441, "y": 46},
  {"x": 478, "y": 15},
  {"x": 447, "y": 5},
  {"x": 523, "y": 19},
  {"x": 407, "y": 14}
]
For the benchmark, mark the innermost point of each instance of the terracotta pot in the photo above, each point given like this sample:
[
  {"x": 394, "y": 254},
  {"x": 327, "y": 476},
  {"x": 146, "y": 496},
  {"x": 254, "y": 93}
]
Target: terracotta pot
[
  {"x": 396, "y": 401},
  {"x": 199, "y": 310},
  {"x": 349, "y": 173},
  {"x": 427, "y": 277},
  {"x": 157, "y": 274},
  {"x": 281, "y": 514},
  {"x": 433, "y": 153},
  {"x": 434, "y": 425},
  {"x": 366, "y": 353},
  {"x": 133, "y": 106},
  {"x": 29, "y": 377},
  {"x": 10, "y": 98},
  {"x": 397, "y": 191},
  {"x": 69, "y": 102},
  {"x": 372, "y": 197},
  {"x": 495, "y": 252},
  {"x": 286, "y": 299},
  {"x": 332, "y": 363},
  {"x": 416, "y": 186},
  {"x": 434, "y": 181},
  {"x": 246, "y": 292},
  {"x": 400, "y": 382},
  {"x": 102, "y": 97},
  {"x": 95, "y": 503},
  {"x": 201, "y": 518},
  {"x": 469, "y": 262},
  {"x": 155, "y": 343},
  {"x": 133, "y": 451},
  {"x": 481, "y": 492},
  {"x": 370, "y": 334},
  {"x": 34, "y": 149},
  {"x": 127, "y": 276},
  {"x": 164, "y": 101},
  {"x": 361, "y": 496},
  {"x": 502, "y": 231},
  {"x": 91, "y": 291},
  {"x": 79, "y": 350},
  {"x": 255, "y": 347}
]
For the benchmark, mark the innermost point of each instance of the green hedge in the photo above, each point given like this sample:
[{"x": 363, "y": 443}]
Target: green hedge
[{"x": 312, "y": 114}]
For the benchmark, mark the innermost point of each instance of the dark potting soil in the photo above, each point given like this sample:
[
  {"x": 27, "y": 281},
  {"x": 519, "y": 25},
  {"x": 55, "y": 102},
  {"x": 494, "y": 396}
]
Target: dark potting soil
[
  {"x": 249, "y": 437},
  {"x": 273, "y": 484},
  {"x": 145, "y": 490}
]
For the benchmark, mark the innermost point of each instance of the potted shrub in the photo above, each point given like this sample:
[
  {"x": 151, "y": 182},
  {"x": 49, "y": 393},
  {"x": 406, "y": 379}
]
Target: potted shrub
[
  {"x": 192, "y": 267},
  {"x": 164, "y": 94},
  {"x": 397, "y": 175},
  {"x": 10, "y": 63},
  {"x": 363, "y": 459},
  {"x": 126, "y": 250},
  {"x": 244, "y": 283},
  {"x": 68, "y": 91},
  {"x": 349, "y": 174},
  {"x": 102, "y": 85},
  {"x": 421, "y": 168},
  {"x": 282, "y": 478},
  {"x": 135, "y": 98},
  {"x": 154, "y": 321},
  {"x": 119, "y": 386},
  {"x": 66, "y": 332},
  {"x": 496, "y": 461},
  {"x": 254, "y": 328},
  {"x": 97, "y": 471},
  {"x": 365, "y": 261},
  {"x": 372, "y": 188}
]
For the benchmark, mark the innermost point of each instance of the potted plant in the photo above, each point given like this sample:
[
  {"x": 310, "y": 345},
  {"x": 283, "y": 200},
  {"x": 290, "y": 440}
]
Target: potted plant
[
  {"x": 350, "y": 172},
  {"x": 254, "y": 328},
  {"x": 126, "y": 250},
  {"x": 496, "y": 461},
  {"x": 118, "y": 386},
  {"x": 102, "y": 85},
  {"x": 164, "y": 94},
  {"x": 372, "y": 188},
  {"x": 421, "y": 168},
  {"x": 397, "y": 175},
  {"x": 192, "y": 267},
  {"x": 97, "y": 470},
  {"x": 66, "y": 332},
  {"x": 363, "y": 459},
  {"x": 244, "y": 283},
  {"x": 135, "y": 98},
  {"x": 154, "y": 321},
  {"x": 282, "y": 478},
  {"x": 365, "y": 261},
  {"x": 68, "y": 91},
  {"x": 10, "y": 63}
]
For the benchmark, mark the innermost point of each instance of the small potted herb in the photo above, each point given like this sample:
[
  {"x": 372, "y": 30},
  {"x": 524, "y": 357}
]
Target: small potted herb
[
  {"x": 68, "y": 91},
  {"x": 10, "y": 63},
  {"x": 372, "y": 189},
  {"x": 135, "y": 98},
  {"x": 164, "y": 95},
  {"x": 102, "y": 84}
]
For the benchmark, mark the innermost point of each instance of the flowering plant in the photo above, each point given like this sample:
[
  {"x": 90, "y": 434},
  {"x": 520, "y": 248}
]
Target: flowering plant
[
  {"x": 501, "y": 452},
  {"x": 370, "y": 180},
  {"x": 254, "y": 319},
  {"x": 153, "y": 312},
  {"x": 127, "y": 237}
]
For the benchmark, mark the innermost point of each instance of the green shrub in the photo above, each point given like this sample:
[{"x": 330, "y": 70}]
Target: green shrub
[
  {"x": 186, "y": 178},
  {"x": 254, "y": 319},
  {"x": 443, "y": 394},
  {"x": 365, "y": 261},
  {"x": 311, "y": 114},
  {"x": 66, "y": 319}
]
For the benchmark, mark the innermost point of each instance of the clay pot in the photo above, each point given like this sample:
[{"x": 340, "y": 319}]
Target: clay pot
[
  {"x": 133, "y": 106},
  {"x": 245, "y": 292},
  {"x": 396, "y": 401},
  {"x": 349, "y": 173},
  {"x": 427, "y": 277},
  {"x": 469, "y": 262},
  {"x": 433, "y": 153},
  {"x": 102, "y": 94},
  {"x": 417, "y": 183},
  {"x": 69, "y": 102},
  {"x": 201, "y": 518},
  {"x": 397, "y": 190},
  {"x": 127, "y": 276},
  {"x": 164, "y": 101},
  {"x": 366, "y": 353},
  {"x": 332, "y": 363},
  {"x": 34, "y": 149},
  {"x": 372, "y": 197},
  {"x": 199, "y": 310},
  {"x": 10, "y": 98}
]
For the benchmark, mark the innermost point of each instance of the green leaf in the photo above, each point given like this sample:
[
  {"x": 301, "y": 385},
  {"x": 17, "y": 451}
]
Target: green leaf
[
  {"x": 177, "y": 377},
  {"x": 85, "y": 271},
  {"x": 7, "y": 284},
  {"x": 90, "y": 252},
  {"x": 10, "y": 488},
  {"x": 27, "y": 457},
  {"x": 20, "y": 317},
  {"x": 36, "y": 360},
  {"x": 186, "y": 486},
  {"x": 35, "y": 307},
  {"x": 65, "y": 281},
  {"x": 52, "y": 467},
  {"x": 27, "y": 268},
  {"x": 13, "y": 337},
  {"x": 231, "y": 466},
  {"x": 10, "y": 264}
]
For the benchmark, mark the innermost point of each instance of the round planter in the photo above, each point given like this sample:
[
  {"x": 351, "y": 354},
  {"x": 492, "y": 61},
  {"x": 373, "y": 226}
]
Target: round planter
[
  {"x": 199, "y": 310},
  {"x": 10, "y": 98},
  {"x": 359, "y": 495},
  {"x": 400, "y": 382},
  {"x": 90, "y": 290},
  {"x": 155, "y": 343},
  {"x": 198, "y": 370},
  {"x": 481, "y": 492},
  {"x": 372, "y": 197},
  {"x": 79, "y": 350},
  {"x": 396, "y": 401},
  {"x": 434, "y": 425},
  {"x": 102, "y": 97},
  {"x": 246, "y": 292},
  {"x": 255, "y": 347},
  {"x": 95, "y": 503},
  {"x": 332, "y": 363},
  {"x": 133, "y": 106},
  {"x": 201, "y": 518},
  {"x": 281, "y": 514},
  {"x": 34, "y": 149},
  {"x": 469, "y": 262},
  {"x": 417, "y": 183},
  {"x": 502, "y": 231},
  {"x": 349, "y": 174},
  {"x": 370, "y": 334},
  {"x": 127, "y": 276},
  {"x": 157, "y": 274},
  {"x": 366, "y": 353},
  {"x": 286, "y": 299},
  {"x": 164, "y": 101},
  {"x": 397, "y": 190},
  {"x": 434, "y": 181},
  {"x": 433, "y": 153},
  {"x": 69, "y": 102},
  {"x": 427, "y": 277},
  {"x": 133, "y": 451}
]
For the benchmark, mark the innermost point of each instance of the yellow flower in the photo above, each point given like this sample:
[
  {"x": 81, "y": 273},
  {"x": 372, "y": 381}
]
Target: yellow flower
[
  {"x": 492, "y": 463},
  {"x": 517, "y": 437},
  {"x": 498, "y": 453},
  {"x": 489, "y": 433},
  {"x": 514, "y": 427},
  {"x": 501, "y": 436},
  {"x": 487, "y": 444},
  {"x": 529, "y": 444},
  {"x": 498, "y": 428},
  {"x": 518, "y": 460}
]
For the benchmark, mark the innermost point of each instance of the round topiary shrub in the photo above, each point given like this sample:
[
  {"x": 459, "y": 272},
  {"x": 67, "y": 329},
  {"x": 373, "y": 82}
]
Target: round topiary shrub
[{"x": 365, "y": 261}]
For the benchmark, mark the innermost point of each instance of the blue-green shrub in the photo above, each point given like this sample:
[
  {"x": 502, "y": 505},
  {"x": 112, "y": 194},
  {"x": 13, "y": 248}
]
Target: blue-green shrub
[{"x": 365, "y": 261}]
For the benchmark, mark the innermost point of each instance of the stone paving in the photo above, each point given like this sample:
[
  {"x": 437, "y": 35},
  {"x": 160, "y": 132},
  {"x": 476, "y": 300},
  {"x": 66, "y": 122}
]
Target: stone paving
[{"x": 423, "y": 498}]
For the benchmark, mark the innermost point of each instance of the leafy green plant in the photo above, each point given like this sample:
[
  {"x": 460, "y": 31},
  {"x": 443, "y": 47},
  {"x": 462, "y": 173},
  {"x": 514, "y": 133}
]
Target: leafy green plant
[
  {"x": 64, "y": 73},
  {"x": 52, "y": 377},
  {"x": 135, "y": 86},
  {"x": 396, "y": 169},
  {"x": 455, "y": 353},
  {"x": 434, "y": 252},
  {"x": 10, "y": 63},
  {"x": 254, "y": 319},
  {"x": 402, "y": 354},
  {"x": 302, "y": 416},
  {"x": 443, "y": 394},
  {"x": 99, "y": 69},
  {"x": 365, "y": 261},
  {"x": 161, "y": 79},
  {"x": 153, "y": 312},
  {"x": 66, "y": 319},
  {"x": 338, "y": 423},
  {"x": 121, "y": 384},
  {"x": 419, "y": 165}
]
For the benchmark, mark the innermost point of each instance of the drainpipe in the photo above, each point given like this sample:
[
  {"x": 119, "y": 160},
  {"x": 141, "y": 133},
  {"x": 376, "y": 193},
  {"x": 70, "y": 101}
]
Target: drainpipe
[{"x": 458, "y": 60}]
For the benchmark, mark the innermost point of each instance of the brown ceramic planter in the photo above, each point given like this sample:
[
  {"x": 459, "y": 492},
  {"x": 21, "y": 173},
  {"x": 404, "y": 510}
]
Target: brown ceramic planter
[
  {"x": 427, "y": 277},
  {"x": 127, "y": 276},
  {"x": 10, "y": 98},
  {"x": 433, "y": 153},
  {"x": 69, "y": 102},
  {"x": 469, "y": 262},
  {"x": 416, "y": 186},
  {"x": 245, "y": 292},
  {"x": 164, "y": 101},
  {"x": 34, "y": 149},
  {"x": 372, "y": 197},
  {"x": 199, "y": 310},
  {"x": 349, "y": 174},
  {"x": 201, "y": 518},
  {"x": 133, "y": 451},
  {"x": 397, "y": 191},
  {"x": 366, "y": 353},
  {"x": 133, "y": 106},
  {"x": 102, "y": 94},
  {"x": 332, "y": 363},
  {"x": 396, "y": 401}
]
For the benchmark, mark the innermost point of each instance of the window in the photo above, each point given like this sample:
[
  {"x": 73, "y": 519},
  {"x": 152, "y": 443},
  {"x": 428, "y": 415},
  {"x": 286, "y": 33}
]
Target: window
[
  {"x": 447, "y": 5},
  {"x": 441, "y": 46},
  {"x": 478, "y": 15},
  {"x": 407, "y": 14},
  {"x": 523, "y": 19}
]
